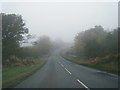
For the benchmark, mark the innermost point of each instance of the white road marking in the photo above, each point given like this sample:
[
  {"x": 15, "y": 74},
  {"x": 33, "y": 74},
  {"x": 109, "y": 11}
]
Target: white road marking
[
  {"x": 59, "y": 62},
  {"x": 77, "y": 79},
  {"x": 68, "y": 71},
  {"x": 62, "y": 65},
  {"x": 116, "y": 76},
  {"x": 83, "y": 84}
]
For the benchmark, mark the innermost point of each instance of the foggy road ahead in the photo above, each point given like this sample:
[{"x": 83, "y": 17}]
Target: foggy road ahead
[{"x": 60, "y": 73}]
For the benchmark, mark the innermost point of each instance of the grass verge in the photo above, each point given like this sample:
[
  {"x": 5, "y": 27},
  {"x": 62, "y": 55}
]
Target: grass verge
[
  {"x": 14, "y": 75},
  {"x": 107, "y": 67}
]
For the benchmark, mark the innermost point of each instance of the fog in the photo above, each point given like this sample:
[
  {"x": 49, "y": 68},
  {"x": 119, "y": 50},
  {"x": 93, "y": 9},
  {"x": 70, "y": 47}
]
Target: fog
[
  {"x": 67, "y": 42},
  {"x": 64, "y": 20}
]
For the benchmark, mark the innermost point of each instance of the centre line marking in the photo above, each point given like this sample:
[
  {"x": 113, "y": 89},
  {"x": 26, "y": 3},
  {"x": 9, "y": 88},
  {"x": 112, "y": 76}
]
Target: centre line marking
[
  {"x": 68, "y": 71},
  {"x": 83, "y": 84},
  {"x": 62, "y": 65}
]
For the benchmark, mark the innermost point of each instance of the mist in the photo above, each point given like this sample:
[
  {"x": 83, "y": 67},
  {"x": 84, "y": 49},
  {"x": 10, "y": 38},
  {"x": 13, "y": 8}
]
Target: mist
[
  {"x": 64, "y": 20},
  {"x": 49, "y": 43}
]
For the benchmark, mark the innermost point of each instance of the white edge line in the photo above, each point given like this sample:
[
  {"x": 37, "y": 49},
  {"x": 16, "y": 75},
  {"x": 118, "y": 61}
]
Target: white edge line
[
  {"x": 83, "y": 84},
  {"x": 116, "y": 76},
  {"x": 68, "y": 71}
]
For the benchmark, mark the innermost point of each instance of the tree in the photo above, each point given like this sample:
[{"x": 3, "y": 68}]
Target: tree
[
  {"x": 13, "y": 33},
  {"x": 96, "y": 42},
  {"x": 112, "y": 42},
  {"x": 43, "y": 45}
]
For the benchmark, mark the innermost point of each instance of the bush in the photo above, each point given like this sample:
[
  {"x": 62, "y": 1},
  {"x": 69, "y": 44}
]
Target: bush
[
  {"x": 15, "y": 61},
  {"x": 112, "y": 59}
]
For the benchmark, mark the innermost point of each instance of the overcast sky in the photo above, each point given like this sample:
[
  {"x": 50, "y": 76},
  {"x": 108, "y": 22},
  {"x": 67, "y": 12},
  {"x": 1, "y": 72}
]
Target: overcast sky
[{"x": 64, "y": 19}]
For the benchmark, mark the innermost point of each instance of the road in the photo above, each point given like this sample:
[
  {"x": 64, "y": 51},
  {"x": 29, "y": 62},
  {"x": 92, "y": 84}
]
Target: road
[{"x": 61, "y": 73}]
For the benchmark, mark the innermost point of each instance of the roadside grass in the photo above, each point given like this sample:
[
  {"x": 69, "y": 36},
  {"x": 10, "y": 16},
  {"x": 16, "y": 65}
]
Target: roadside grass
[
  {"x": 11, "y": 76},
  {"x": 107, "y": 67}
]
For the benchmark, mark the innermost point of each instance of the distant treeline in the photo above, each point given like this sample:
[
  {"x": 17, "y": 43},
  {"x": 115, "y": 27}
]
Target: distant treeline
[
  {"x": 43, "y": 46},
  {"x": 95, "y": 42}
]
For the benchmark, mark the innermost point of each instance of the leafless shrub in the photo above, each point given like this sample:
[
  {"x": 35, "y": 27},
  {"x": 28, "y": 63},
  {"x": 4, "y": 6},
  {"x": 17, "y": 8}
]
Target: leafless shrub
[{"x": 15, "y": 61}]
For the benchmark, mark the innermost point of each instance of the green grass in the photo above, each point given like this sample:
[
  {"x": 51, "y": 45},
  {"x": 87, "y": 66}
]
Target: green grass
[
  {"x": 14, "y": 75},
  {"x": 103, "y": 67}
]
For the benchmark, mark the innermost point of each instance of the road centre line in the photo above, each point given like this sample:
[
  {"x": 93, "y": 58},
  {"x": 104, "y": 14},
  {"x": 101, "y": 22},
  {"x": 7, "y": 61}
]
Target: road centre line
[
  {"x": 62, "y": 65},
  {"x": 77, "y": 79},
  {"x": 68, "y": 71},
  {"x": 83, "y": 84},
  {"x": 58, "y": 62}
]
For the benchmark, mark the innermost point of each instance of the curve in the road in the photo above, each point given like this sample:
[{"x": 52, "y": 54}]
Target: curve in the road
[{"x": 60, "y": 73}]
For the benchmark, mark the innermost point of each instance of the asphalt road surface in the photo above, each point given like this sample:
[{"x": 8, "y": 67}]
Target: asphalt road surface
[{"x": 61, "y": 73}]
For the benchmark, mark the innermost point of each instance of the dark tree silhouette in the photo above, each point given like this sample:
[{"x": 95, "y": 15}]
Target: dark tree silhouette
[{"x": 13, "y": 33}]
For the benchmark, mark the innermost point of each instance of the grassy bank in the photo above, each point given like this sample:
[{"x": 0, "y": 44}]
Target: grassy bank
[
  {"x": 107, "y": 66},
  {"x": 11, "y": 76}
]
